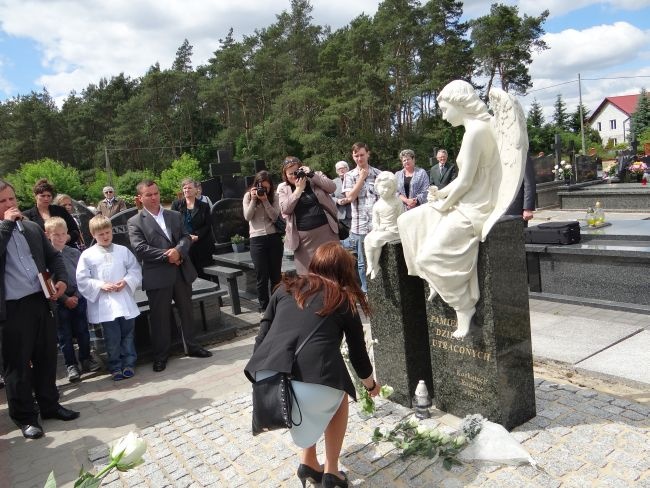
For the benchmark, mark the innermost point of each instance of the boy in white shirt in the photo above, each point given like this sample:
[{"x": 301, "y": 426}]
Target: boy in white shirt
[{"x": 107, "y": 275}]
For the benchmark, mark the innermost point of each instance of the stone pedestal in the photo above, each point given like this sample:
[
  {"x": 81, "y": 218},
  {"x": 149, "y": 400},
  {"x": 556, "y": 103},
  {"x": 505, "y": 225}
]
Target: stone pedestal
[
  {"x": 490, "y": 371},
  {"x": 399, "y": 325}
]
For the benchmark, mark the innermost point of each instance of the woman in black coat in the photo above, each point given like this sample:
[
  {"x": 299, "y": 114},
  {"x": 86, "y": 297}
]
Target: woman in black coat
[
  {"x": 43, "y": 194},
  {"x": 320, "y": 379},
  {"x": 196, "y": 218}
]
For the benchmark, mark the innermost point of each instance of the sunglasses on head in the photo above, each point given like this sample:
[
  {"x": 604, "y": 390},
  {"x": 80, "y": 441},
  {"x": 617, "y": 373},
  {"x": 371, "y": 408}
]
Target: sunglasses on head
[{"x": 291, "y": 161}]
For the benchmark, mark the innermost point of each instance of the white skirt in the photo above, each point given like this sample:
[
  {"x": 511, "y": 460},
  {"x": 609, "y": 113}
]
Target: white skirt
[{"x": 316, "y": 403}]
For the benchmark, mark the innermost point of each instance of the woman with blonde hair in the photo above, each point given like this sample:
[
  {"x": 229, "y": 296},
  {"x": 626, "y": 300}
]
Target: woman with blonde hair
[{"x": 324, "y": 300}]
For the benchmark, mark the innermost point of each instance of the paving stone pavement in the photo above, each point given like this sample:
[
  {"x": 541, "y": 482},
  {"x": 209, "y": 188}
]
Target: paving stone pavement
[
  {"x": 196, "y": 418},
  {"x": 580, "y": 438}
]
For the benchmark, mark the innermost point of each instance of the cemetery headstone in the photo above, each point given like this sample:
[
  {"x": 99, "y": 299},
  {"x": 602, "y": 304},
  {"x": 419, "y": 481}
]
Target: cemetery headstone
[
  {"x": 225, "y": 165},
  {"x": 212, "y": 188},
  {"x": 233, "y": 186},
  {"x": 544, "y": 168},
  {"x": 490, "y": 370},
  {"x": 586, "y": 168},
  {"x": 120, "y": 228},
  {"x": 227, "y": 217},
  {"x": 83, "y": 215},
  {"x": 399, "y": 326}
]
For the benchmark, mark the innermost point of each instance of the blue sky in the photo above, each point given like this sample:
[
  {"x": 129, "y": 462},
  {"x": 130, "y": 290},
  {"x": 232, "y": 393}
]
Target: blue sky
[{"x": 65, "y": 45}]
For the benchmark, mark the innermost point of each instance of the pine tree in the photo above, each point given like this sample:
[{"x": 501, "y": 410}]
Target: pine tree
[
  {"x": 535, "y": 116},
  {"x": 641, "y": 116},
  {"x": 560, "y": 116},
  {"x": 574, "y": 119}
]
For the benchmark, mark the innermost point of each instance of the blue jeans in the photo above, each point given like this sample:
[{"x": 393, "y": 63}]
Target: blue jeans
[
  {"x": 120, "y": 343},
  {"x": 73, "y": 323},
  {"x": 361, "y": 258}
]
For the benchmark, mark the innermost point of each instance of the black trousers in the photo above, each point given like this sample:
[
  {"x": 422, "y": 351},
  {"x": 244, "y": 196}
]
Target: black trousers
[
  {"x": 29, "y": 354},
  {"x": 161, "y": 318},
  {"x": 266, "y": 253}
]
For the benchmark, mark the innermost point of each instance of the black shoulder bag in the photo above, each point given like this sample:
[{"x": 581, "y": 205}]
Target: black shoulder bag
[{"x": 272, "y": 398}]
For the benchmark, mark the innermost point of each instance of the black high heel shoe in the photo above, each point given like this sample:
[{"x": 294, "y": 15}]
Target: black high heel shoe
[
  {"x": 308, "y": 473},
  {"x": 331, "y": 480}
]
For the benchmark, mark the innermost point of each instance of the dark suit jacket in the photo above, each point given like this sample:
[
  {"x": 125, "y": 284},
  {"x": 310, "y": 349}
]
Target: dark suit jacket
[
  {"x": 149, "y": 243},
  {"x": 525, "y": 198},
  {"x": 202, "y": 250},
  {"x": 285, "y": 326},
  {"x": 56, "y": 211},
  {"x": 45, "y": 256},
  {"x": 451, "y": 171}
]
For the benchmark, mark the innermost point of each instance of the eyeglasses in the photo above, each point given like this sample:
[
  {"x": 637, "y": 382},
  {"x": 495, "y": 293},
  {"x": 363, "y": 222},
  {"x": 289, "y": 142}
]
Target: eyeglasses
[
  {"x": 109, "y": 191},
  {"x": 291, "y": 161}
]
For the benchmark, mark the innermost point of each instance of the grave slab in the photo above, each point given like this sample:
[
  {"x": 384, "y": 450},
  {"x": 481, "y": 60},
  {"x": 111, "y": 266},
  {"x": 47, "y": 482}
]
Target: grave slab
[
  {"x": 635, "y": 367},
  {"x": 581, "y": 337}
]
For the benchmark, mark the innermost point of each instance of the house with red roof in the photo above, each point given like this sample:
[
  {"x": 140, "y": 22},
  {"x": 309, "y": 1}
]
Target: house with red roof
[{"x": 613, "y": 116}]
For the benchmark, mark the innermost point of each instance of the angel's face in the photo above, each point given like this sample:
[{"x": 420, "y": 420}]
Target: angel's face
[{"x": 451, "y": 113}]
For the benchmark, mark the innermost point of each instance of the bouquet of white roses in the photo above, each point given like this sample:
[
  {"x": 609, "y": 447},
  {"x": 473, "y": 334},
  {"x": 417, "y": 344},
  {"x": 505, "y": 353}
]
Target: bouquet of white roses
[{"x": 563, "y": 170}]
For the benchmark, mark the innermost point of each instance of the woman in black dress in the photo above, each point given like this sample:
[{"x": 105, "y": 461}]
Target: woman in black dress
[
  {"x": 44, "y": 209},
  {"x": 196, "y": 218}
]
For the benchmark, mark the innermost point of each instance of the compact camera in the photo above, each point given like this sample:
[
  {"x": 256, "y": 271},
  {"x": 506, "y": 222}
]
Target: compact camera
[
  {"x": 301, "y": 173},
  {"x": 260, "y": 190}
]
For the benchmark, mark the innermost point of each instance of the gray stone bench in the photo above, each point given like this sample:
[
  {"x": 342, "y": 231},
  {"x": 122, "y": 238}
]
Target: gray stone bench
[
  {"x": 230, "y": 275},
  {"x": 207, "y": 322}
]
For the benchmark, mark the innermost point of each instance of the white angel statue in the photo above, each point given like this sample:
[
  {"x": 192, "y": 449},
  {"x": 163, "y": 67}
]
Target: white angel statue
[
  {"x": 385, "y": 212},
  {"x": 440, "y": 238}
]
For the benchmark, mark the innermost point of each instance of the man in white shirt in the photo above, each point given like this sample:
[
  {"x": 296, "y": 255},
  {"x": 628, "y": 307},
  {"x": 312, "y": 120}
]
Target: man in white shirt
[{"x": 159, "y": 239}]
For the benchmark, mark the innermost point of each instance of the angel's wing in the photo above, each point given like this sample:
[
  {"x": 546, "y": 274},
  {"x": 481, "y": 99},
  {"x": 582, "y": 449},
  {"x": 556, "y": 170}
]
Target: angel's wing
[{"x": 509, "y": 125}]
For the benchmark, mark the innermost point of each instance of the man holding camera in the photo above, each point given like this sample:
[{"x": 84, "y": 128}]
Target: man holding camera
[{"x": 359, "y": 190}]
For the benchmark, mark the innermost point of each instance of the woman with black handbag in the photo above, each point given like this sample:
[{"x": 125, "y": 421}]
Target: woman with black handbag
[
  {"x": 300, "y": 336},
  {"x": 262, "y": 211}
]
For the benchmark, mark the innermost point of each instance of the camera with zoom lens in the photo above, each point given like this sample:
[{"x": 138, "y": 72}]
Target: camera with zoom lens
[
  {"x": 301, "y": 173},
  {"x": 260, "y": 190}
]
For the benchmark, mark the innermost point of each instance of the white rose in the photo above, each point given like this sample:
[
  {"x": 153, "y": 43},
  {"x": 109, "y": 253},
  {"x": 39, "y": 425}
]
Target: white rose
[{"x": 128, "y": 451}]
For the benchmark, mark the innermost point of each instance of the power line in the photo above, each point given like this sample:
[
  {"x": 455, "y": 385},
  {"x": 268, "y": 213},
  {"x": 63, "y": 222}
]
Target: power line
[
  {"x": 587, "y": 79},
  {"x": 180, "y": 146}
]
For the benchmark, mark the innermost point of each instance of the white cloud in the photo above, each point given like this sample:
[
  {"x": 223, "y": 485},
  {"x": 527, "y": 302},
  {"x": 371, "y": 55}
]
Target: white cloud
[
  {"x": 81, "y": 42},
  {"x": 594, "y": 49}
]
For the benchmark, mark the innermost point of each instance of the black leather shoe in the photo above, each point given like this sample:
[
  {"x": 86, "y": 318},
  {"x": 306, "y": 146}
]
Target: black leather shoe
[
  {"x": 199, "y": 352},
  {"x": 31, "y": 431},
  {"x": 61, "y": 413},
  {"x": 159, "y": 366}
]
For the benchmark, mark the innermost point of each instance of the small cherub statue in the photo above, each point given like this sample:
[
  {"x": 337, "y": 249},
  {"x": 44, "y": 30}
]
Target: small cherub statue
[{"x": 384, "y": 220}]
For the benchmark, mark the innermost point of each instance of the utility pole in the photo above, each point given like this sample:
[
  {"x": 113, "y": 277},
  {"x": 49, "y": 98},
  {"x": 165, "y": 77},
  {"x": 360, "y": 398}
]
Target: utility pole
[{"x": 582, "y": 116}]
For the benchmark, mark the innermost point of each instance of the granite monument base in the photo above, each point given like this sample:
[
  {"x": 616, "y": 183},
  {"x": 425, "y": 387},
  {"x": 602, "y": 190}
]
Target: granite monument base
[
  {"x": 489, "y": 371},
  {"x": 399, "y": 326}
]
